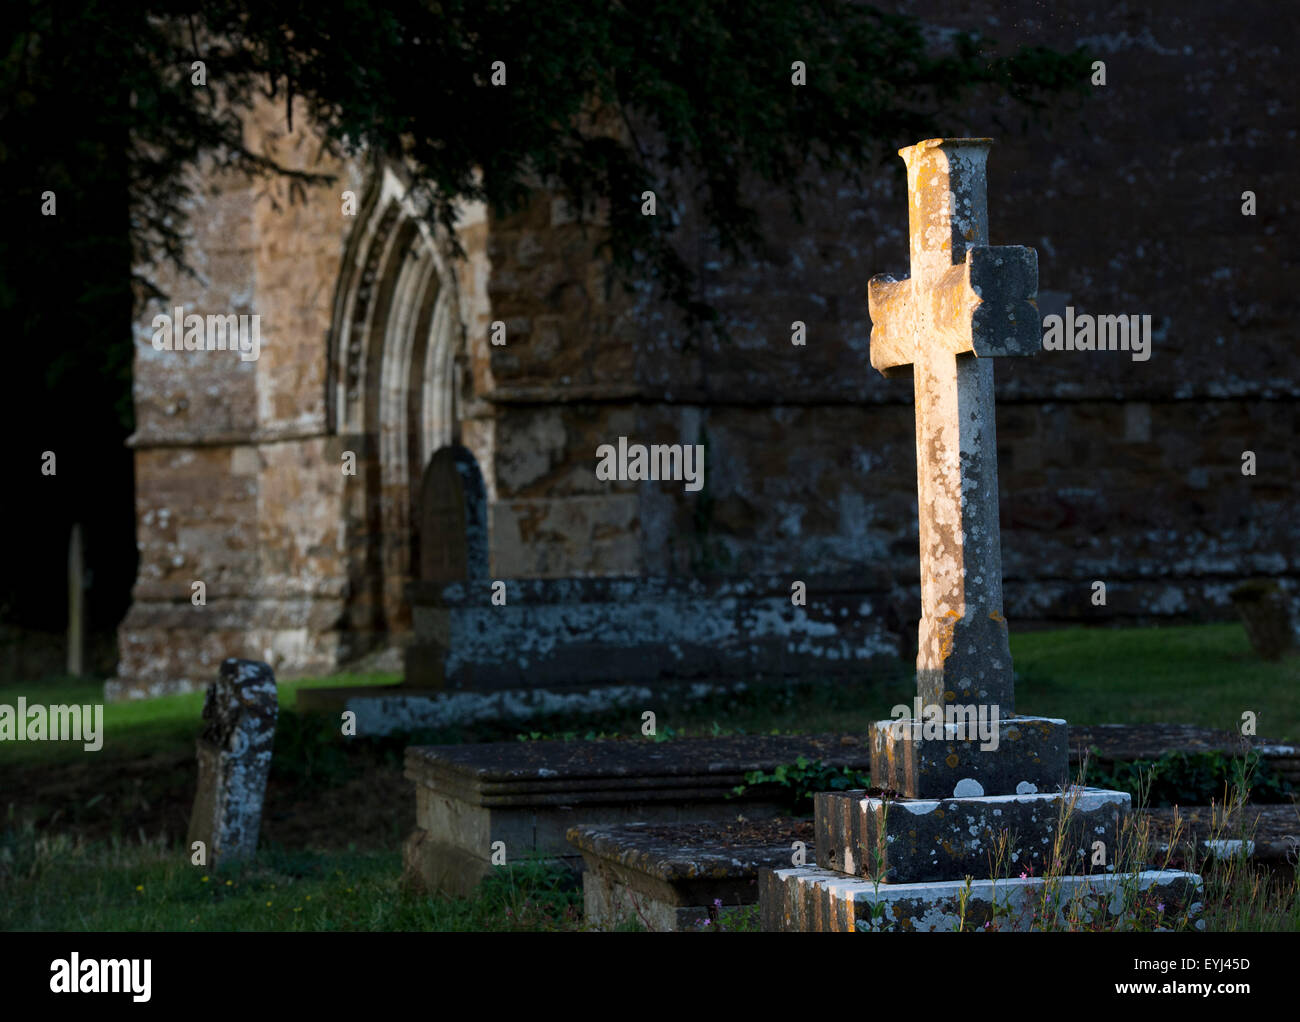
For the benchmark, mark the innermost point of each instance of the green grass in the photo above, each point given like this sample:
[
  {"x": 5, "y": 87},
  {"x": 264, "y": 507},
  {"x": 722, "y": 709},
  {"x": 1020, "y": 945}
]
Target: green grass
[
  {"x": 57, "y": 883},
  {"x": 54, "y": 879},
  {"x": 1197, "y": 674},
  {"x": 141, "y": 727},
  {"x": 1206, "y": 675},
  {"x": 60, "y": 883}
]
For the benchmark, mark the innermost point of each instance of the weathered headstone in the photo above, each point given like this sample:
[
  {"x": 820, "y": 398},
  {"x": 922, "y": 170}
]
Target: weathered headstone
[
  {"x": 234, "y": 755},
  {"x": 452, "y": 529},
  {"x": 1266, "y": 611},
  {"x": 968, "y": 771}
]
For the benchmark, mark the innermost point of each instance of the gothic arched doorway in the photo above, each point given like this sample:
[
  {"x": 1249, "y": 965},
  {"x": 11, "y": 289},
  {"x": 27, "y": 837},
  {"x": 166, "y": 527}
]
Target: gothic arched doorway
[{"x": 393, "y": 397}]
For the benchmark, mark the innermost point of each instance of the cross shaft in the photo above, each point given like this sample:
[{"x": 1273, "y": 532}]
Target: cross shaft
[{"x": 964, "y": 303}]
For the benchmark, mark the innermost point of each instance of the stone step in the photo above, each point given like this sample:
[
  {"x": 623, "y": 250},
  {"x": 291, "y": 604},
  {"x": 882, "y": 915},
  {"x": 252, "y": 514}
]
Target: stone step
[
  {"x": 914, "y": 840},
  {"x": 810, "y": 898},
  {"x": 941, "y": 760}
]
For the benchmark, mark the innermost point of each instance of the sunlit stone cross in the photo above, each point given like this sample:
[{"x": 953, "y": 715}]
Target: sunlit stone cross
[{"x": 964, "y": 304}]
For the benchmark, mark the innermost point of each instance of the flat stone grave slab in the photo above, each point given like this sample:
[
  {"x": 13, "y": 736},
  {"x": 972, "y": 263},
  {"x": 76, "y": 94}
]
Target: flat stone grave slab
[
  {"x": 518, "y": 799},
  {"x": 681, "y": 876},
  {"x": 667, "y": 876},
  {"x": 1129, "y": 742},
  {"x": 561, "y": 632},
  {"x": 1126, "y": 743},
  {"x": 1271, "y": 833}
]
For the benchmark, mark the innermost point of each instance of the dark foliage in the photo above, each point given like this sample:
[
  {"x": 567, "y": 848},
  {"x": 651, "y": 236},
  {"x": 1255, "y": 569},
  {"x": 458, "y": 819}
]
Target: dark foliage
[{"x": 690, "y": 99}]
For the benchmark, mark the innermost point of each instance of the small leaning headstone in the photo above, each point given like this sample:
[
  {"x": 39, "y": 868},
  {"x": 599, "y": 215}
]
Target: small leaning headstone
[{"x": 234, "y": 755}]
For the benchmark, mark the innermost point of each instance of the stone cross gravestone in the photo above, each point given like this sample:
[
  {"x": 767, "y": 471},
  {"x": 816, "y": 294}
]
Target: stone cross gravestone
[
  {"x": 967, "y": 775},
  {"x": 964, "y": 304},
  {"x": 234, "y": 755}
]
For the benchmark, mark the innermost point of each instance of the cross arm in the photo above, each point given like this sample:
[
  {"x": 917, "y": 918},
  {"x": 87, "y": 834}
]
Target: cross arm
[
  {"x": 984, "y": 305},
  {"x": 1005, "y": 320},
  {"x": 893, "y": 318}
]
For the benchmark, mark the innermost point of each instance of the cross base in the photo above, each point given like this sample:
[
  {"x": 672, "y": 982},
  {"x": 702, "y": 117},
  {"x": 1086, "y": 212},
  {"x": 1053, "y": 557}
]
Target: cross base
[
  {"x": 911, "y": 840},
  {"x": 930, "y": 759},
  {"x": 812, "y": 899}
]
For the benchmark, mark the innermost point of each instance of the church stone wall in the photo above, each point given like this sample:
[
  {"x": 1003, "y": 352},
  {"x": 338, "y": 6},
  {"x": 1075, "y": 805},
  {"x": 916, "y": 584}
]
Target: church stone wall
[
  {"x": 237, "y": 485},
  {"x": 1111, "y": 469}
]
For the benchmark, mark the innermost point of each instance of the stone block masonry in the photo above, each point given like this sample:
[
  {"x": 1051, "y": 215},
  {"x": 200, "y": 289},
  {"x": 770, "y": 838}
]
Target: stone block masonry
[
  {"x": 1127, "y": 472},
  {"x": 1031, "y": 755}
]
